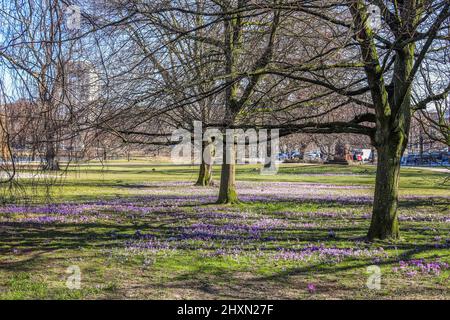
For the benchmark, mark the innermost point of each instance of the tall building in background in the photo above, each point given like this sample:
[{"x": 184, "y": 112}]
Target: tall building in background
[
  {"x": 80, "y": 91},
  {"x": 81, "y": 83}
]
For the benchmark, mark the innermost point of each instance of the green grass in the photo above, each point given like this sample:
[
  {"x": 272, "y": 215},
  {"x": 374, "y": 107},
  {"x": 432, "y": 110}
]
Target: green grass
[
  {"x": 96, "y": 180},
  {"x": 34, "y": 257}
]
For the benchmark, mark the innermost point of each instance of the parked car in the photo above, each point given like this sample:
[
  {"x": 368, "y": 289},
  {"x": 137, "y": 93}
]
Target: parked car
[
  {"x": 426, "y": 159},
  {"x": 295, "y": 155},
  {"x": 283, "y": 156},
  {"x": 445, "y": 159},
  {"x": 313, "y": 155}
]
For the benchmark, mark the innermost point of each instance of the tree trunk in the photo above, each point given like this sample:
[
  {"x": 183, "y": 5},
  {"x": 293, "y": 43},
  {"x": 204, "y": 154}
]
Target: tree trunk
[
  {"x": 268, "y": 157},
  {"x": 51, "y": 163},
  {"x": 384, "y": 223},
  {"x": 205, "y": 172},
  {"x": 227, "y": 191},
  {"x": 205, "y": 175}
]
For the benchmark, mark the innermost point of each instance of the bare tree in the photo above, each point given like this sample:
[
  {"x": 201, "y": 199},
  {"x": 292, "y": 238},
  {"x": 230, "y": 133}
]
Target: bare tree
[
  {"x": 38, "y": 55},
  {"x": 386, "y": 69},
  {"x": 305, "y": 67}
]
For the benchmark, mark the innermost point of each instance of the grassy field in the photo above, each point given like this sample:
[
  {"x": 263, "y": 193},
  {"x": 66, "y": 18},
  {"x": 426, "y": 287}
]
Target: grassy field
[{"x": 141, "y": 230}]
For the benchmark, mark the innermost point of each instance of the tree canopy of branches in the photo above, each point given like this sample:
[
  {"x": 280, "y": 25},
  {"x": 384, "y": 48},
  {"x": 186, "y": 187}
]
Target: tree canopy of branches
[{"x": 312, "y": 67}]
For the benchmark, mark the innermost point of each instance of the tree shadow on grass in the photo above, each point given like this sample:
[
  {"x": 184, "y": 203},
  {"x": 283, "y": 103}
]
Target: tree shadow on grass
[
  {"x": 225, "y": 283},
  {"x": 39, "y": 242}
]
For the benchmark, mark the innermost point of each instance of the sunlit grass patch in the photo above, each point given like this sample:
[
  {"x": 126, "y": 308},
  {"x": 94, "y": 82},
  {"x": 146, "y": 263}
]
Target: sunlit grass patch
[{"x": 135, "y": 232}]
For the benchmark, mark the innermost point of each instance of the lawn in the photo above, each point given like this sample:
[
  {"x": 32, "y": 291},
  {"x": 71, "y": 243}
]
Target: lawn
[{"x": 141, "y": 230}]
